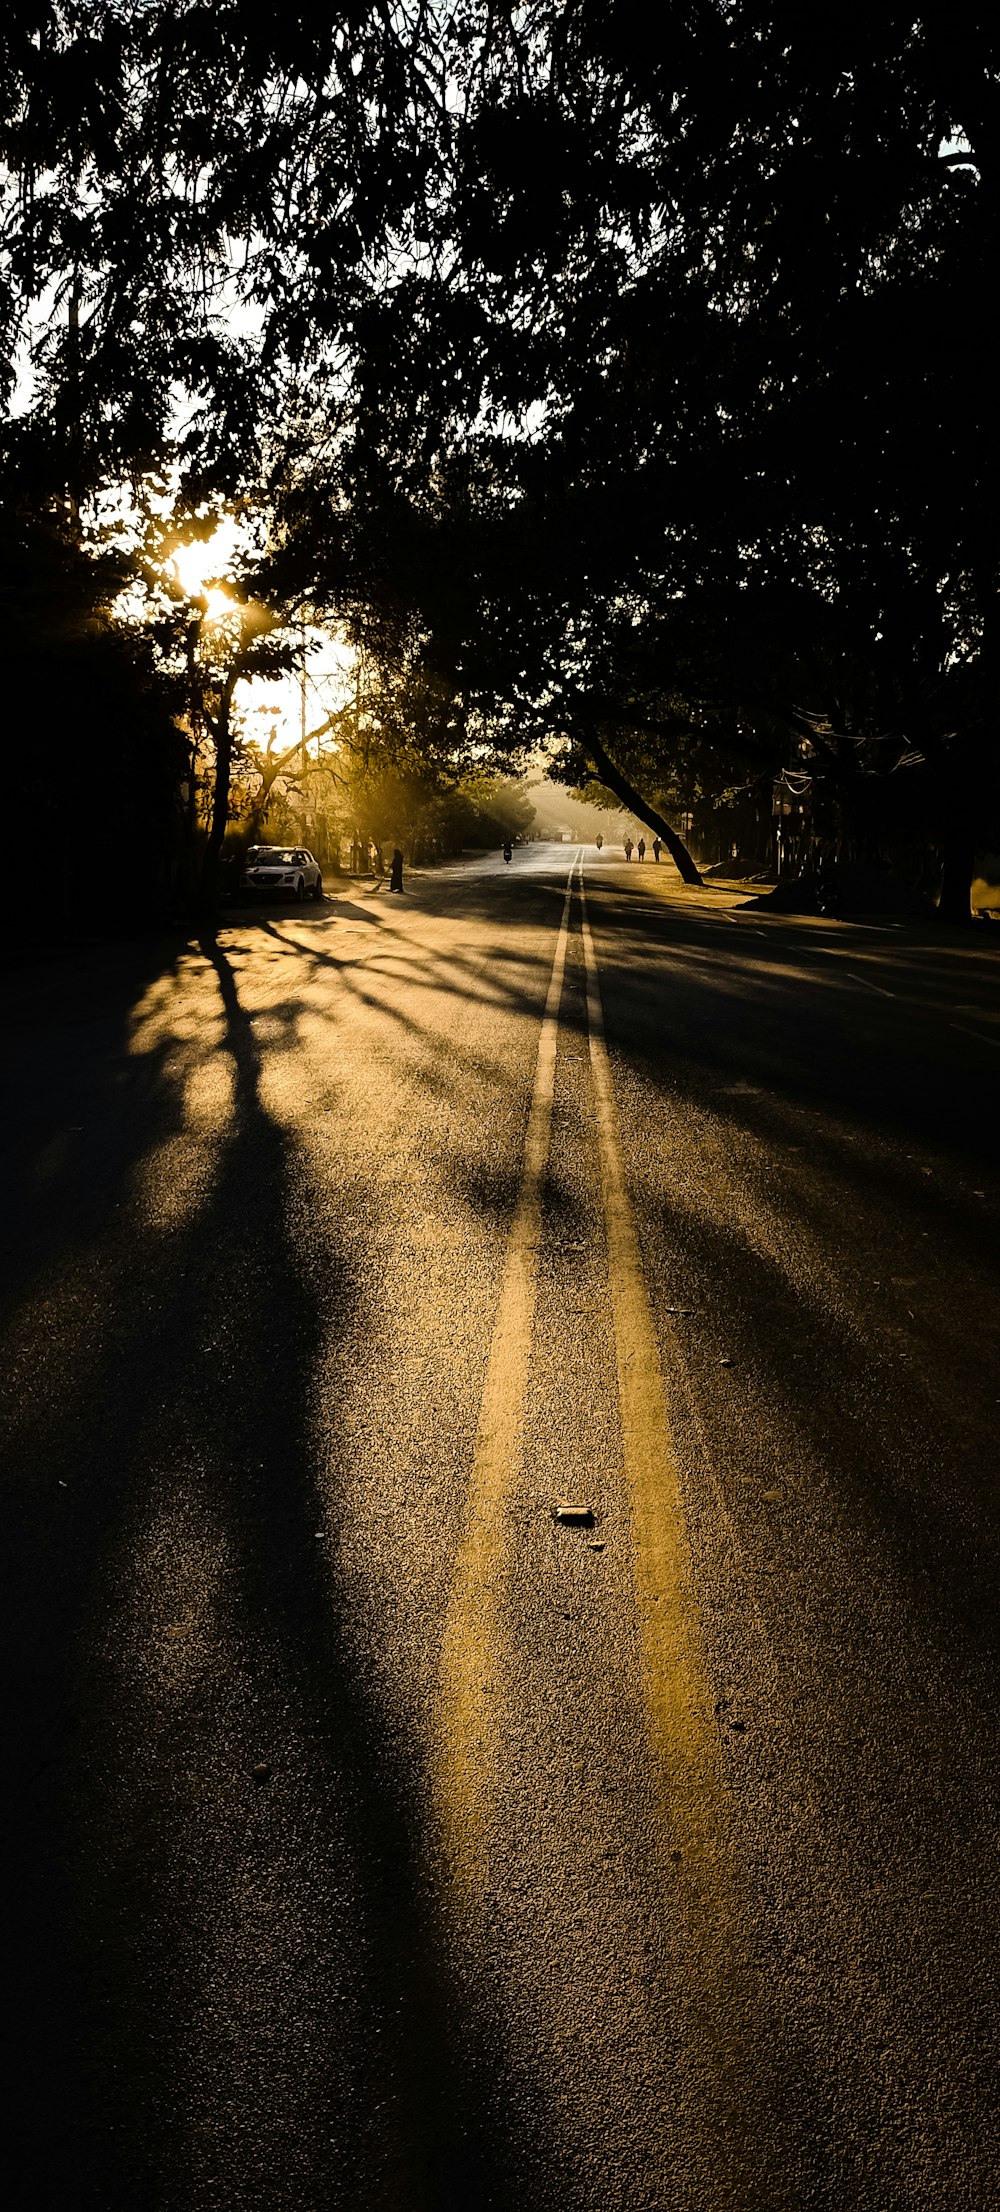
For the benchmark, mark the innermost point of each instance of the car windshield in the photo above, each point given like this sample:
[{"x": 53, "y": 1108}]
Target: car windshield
[{"x": 272, "y": 858}]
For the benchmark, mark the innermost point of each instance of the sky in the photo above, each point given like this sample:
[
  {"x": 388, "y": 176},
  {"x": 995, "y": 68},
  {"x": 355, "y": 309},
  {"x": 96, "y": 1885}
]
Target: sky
[{"x": 267, "y": 706}]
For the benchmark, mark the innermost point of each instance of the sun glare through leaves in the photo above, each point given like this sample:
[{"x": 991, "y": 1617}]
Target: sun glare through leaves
[{"x": 200, "y": 569}]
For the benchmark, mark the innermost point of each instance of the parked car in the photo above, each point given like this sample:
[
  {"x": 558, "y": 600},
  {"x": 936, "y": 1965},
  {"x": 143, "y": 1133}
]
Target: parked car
[{"x": 281, "y": 869}]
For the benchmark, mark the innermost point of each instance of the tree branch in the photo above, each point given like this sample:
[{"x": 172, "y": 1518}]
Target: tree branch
[{"x": 607, "y": 773}]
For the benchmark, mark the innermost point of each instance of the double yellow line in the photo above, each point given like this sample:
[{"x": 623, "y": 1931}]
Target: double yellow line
[
  {"x": 469, "y": 1696},
  {"x": 716, "y": 2000},
  {"x": 683, "y": 1739}
]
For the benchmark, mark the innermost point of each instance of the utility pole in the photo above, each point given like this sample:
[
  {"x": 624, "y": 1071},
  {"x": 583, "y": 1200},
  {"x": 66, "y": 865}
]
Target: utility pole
[{"x": 302, "y": 727}]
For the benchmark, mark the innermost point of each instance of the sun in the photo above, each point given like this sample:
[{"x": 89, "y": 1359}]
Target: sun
[
  {"x": 200, "y": 566},
  {"x": 217, "y": 601}
]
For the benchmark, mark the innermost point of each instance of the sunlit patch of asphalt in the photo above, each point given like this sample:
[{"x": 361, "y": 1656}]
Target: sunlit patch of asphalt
[
  {"x": 176, "y": 1041},
  {"x": 797, "y": 1272},
  {"x": 244, "y": 1916},
  {"x": 347, "y": 1027},
  {"x": 433, "y": 1202},
  {"x": 471, "y": 1695},
  {"x": 721, "y": 1998},
  {"x": 197, "y": 1655},
  {"x": 717, "y": 1996},
  {"x": 209, "y": 1678},
  {"x": 178, "y": 1026},
  {"x": 428, "y": 961}
]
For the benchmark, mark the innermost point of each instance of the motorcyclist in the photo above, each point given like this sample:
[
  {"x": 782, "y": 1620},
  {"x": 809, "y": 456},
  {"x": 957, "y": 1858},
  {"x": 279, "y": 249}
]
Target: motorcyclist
[
  {"x": 598, "y": 840},
  {"x": 508, "y": 850}
]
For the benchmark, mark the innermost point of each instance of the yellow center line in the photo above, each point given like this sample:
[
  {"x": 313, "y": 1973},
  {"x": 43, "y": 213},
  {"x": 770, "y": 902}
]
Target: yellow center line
[
  {"x": 466, "y": 1759},
  {"x": 694, "y": 1839},
  {"x": 677, "y": 1688}
]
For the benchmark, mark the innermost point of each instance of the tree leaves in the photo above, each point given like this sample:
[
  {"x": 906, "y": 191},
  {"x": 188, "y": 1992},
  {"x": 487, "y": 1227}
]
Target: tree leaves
[{"x": 613, "y": 357}]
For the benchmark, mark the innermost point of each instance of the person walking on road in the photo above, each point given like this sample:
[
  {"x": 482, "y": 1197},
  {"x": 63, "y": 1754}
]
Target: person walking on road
[
  {"x": 628, "y": 848},
  {"x": 657, "y": 848},
  {"x": 396, "y": 871},
  {"x": 641, "y": 848}
]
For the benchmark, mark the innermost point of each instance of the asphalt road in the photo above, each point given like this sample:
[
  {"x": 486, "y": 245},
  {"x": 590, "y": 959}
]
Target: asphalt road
[{"x": 375, "y": 1839}]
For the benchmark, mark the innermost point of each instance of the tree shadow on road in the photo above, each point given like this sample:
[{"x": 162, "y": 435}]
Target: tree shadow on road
[
  {"x": 797, "y": 1146},
  {"x": 227, "y": 1986}
]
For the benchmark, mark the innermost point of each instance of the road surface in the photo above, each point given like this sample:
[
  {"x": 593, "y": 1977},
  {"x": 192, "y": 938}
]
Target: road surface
[{"x": 376, "y": 1838}]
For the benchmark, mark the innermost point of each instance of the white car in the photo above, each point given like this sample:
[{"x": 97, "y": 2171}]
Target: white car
[{"x": 277, "y": 869}]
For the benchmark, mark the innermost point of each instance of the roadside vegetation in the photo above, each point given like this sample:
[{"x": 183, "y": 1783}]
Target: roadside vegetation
[{"x": 606, "y": 382}]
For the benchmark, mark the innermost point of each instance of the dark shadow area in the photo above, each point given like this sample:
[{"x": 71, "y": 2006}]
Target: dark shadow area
[
  {"x": 889, "y": 1086},
  {"x": 897, "y": 1073},
  {"x": 890, "y": 1464},
  {"x": 188, "y": 1406},
  {"x": 844, "y": 1088},
  {"x": 896, "y": 1077},
  {"x": 75, "y": 1122}
]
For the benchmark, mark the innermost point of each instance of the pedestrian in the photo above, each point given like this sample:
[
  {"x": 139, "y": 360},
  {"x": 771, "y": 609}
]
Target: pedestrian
[
  {"x": 396, "y": 871},
  {"x": 657, "y": 848},
  {"x": 628, "y": 848},
  {"x": 641, "y": 848}
]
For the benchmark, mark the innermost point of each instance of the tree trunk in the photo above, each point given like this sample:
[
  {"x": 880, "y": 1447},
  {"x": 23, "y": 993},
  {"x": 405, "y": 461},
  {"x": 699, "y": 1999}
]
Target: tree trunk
[
  {"x": 258, "y": 811},
  {"x": 222, "y": 732},
  {"x": 612, "y": 778},
  {"x": 958, "y": 867}
]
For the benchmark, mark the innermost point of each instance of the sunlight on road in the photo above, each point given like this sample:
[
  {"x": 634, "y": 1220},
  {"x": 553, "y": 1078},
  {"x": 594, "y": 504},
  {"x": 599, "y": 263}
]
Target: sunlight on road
[{"x": 372, "y": 1235}]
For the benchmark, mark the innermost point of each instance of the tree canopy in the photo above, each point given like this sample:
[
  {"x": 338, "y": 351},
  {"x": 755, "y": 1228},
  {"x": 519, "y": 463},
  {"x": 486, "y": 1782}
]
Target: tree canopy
[{"x": 634, "y": 369}]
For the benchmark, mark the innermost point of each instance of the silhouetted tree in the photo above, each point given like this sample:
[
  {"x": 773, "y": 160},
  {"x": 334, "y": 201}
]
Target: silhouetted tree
[
  {"x": 681, "y": 419},
  {"x": 96, "y": 756},
  {"x": 640, "y": 362}
]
